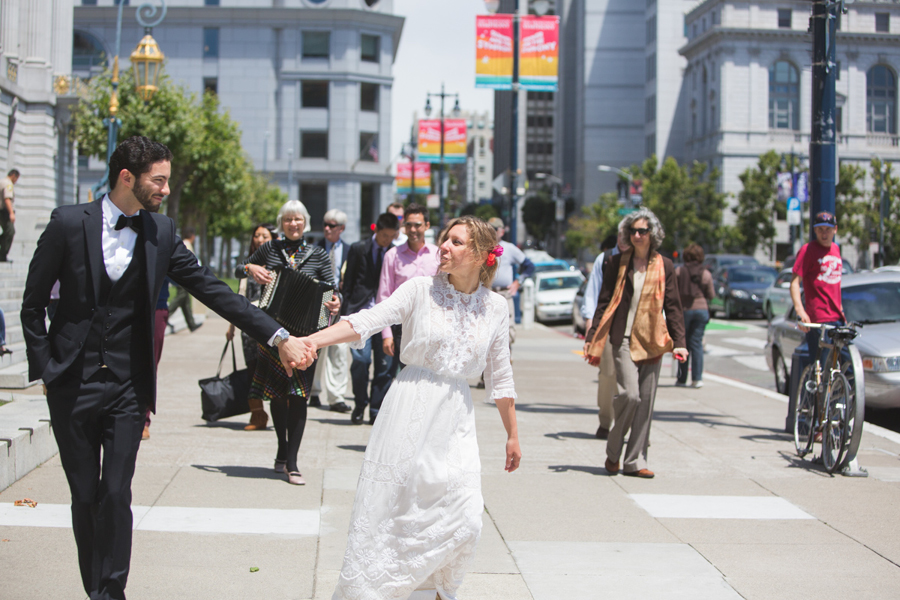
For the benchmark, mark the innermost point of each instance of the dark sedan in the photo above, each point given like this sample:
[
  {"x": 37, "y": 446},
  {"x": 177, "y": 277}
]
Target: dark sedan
[{"x": 740, "y": 289}]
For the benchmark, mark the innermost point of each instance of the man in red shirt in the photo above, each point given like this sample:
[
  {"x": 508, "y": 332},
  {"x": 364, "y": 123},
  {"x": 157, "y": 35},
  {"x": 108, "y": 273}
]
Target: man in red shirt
[{"x": 819, "y": 265}]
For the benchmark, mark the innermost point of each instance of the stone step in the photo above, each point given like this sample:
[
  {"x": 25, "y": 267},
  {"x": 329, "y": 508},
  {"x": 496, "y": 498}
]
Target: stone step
[
  {"x": 15, "y": 376},
  {"x": 26, "y": 439}
]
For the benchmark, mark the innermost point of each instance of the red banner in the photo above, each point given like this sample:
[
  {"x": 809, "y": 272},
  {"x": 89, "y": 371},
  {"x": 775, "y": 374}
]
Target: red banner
[{"x": 494, "y": 51}]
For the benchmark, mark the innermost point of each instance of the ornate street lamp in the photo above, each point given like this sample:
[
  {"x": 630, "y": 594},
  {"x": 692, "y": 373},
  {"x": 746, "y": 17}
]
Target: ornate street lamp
[{"x": 146, "y": 61}]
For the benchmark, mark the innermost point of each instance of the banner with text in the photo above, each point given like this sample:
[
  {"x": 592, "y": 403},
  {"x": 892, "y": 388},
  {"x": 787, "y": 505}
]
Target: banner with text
[
  {"x": 539, "y": 53},
  {"x": 454, "y": 140},
  {"x": 430, "y": 140},
  {"x": 494, "y": 52},
  {"x": 422, "y": 182},
  {"x": 404, "y": 177}
]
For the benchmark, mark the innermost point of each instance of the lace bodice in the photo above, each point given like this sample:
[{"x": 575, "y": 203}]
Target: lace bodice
[{"x": 456, "y": 335}]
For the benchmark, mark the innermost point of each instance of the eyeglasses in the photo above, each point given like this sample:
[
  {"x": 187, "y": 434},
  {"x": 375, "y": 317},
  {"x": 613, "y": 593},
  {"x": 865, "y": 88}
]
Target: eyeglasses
[
  {"x": 414, "y": 225},
  {"x": 332, "y": 225},
  {"x": 293, "y": 220},
  {"x": 639, "y": 230}
]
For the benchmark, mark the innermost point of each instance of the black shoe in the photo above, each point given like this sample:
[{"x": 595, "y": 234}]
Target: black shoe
[
  {"x": 357, "y": 416},
  {"x": 602, "y": 433},
  {"x": 4, "y": 351},
  {"x": 373, "y": 414},
  {"x": 195, "y": 327},
  {"x": 314, "y": 401},
  {"x": 341, "y": 407}
]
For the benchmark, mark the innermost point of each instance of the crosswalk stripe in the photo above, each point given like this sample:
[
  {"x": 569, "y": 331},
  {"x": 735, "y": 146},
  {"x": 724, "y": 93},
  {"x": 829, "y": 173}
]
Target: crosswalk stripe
[{"x": 670, "y": 506}]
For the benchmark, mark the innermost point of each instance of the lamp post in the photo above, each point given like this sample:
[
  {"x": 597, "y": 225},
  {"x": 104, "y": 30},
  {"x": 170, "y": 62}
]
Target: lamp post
[
  {"x": 622, "y": 173},
  {"x": 441, "y": 190},
  {"x": 146, "y": 61}
]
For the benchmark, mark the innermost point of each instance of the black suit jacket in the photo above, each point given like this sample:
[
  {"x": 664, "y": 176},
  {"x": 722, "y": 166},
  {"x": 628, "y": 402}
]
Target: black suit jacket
[
  {"x": 70, "y": 251},
  {"x": 360, "y": 281}
]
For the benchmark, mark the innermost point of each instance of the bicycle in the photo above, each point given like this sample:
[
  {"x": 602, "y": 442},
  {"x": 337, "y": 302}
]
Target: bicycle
[{"x": 827, "y": 406}]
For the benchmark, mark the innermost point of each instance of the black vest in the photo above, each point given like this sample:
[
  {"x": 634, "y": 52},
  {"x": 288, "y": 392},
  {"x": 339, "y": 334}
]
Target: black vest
[{"x": 118, "y": 337}]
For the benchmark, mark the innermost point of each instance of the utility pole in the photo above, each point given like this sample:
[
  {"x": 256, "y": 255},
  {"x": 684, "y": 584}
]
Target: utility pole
[
  {"x": 514, "y": 150},
  {"x": 822, "y": 140}
]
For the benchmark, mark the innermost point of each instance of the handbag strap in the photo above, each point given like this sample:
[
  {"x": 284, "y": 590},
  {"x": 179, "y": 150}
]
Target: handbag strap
[{"x": 222, "y": 358}]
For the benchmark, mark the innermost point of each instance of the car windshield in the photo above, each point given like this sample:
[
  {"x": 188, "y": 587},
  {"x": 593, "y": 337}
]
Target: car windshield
[
  {"x": 874, "y": 302},
  {"x": 556, "y": 266},
  {"x": 564, "y": 282},
  {"x": 751, "y": 276}
]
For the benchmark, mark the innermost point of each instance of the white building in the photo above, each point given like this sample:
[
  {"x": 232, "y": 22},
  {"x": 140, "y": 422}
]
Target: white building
[
  {"x": 480, "y": 157},
  {"x": 749, "y": 83},
  {"x": 308, "y": 81}
]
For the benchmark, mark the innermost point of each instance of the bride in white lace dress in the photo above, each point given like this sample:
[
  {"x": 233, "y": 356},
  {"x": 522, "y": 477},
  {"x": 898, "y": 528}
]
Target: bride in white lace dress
[{"x": 417, "y": 514}]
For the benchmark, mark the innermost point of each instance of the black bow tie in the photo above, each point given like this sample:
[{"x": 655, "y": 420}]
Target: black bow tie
[{"x": 133, "y": 221}]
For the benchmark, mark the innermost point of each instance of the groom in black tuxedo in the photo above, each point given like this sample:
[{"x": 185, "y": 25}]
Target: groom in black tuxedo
[{"x": 111, "y": 258}]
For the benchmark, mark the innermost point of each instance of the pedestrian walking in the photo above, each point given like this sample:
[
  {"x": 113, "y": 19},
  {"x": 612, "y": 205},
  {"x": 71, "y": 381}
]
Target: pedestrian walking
[
  {"x": 638, "y": 286},
  {"x": 111, "y": 258},
  {"x": 251, "y": 290},
  {"x": 418, "y": 511},
  {"x": 8, "y": 213},
  {"x": 333, "y": 370},
  {"x": 695, "y": 287},
  {"x": 182, "y": 298},
  {"x": 414, "y": 258},
  {"x": 360, "y": 285},
  {"x": 287, "y": 392},
  {"x": 3, "y": 349},
  {"x": 606, "y": 377}
]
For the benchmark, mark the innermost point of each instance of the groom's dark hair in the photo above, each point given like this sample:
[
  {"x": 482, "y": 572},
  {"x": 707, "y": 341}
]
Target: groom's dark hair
[{"x": 136, "y": 154}]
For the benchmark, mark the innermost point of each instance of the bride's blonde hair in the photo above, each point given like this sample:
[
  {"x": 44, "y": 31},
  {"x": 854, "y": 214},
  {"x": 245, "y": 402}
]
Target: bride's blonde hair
[{"x": 482, "y": 238}]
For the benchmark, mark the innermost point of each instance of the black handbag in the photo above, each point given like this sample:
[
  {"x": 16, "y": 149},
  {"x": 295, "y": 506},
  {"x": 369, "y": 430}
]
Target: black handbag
[{"x": 223, "y": 397}]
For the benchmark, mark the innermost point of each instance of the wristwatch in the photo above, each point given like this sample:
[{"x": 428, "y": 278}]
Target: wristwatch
[{"x": 280, "y": 336}]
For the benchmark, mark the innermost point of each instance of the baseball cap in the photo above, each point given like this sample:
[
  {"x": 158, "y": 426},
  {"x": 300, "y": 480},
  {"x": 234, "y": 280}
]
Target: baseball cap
[
  {"x": 495, "y": 222},
  {"x": 825, "y": 219}
]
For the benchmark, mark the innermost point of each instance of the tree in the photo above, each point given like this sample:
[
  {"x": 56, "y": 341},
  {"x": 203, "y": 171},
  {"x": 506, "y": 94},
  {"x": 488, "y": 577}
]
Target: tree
[
  {"x": 755, "y": 208},
  {"x": 587, "y": 230},
  {"x": 539, "y": 214}
]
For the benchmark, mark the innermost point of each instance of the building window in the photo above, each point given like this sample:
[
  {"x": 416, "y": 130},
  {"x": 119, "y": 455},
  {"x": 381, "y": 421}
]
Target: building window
[
  {"x": 368, "y": 97},
  {"x": 881, "y": 100},
  {"x": 316, "y": 44},
  {"x": 370, "y": 48},
  {"x": 784, "y": 18},
  {"x": 693, "y": 125},
  {"x": 368, "y": 147},
  {"x": 314, "y": 144},
  {"x": 839, "y": 119},
  {"x": 210, "y": 2},
  {"x": 784, "y": 96},
  {"x": 650, "y": 109},
  {"x": 89, "y": 2},
  {"x": 87, "y": 52},
  {"x": 210, "y": 42},
  {"x": 210, "y": 85},
  {"x": 314, "y": 94},
  {"x": 883, "y": 22},
  {"x": 837, "y": 71},
  {"x": 314, "y": 196},
  {"x": 651, "y": 29},
  {"x": 651, "y": 67},
  {"x": 650, "y": 145},
  {"x": 368, "y": 205}
]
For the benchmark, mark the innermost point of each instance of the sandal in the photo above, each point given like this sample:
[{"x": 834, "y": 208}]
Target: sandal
[{"x": 295, "y": 478}]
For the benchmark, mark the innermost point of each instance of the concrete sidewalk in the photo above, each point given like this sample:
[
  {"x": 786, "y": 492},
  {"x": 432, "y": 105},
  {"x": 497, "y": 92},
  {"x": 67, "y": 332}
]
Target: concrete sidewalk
[{"x": 732, "y": 513}]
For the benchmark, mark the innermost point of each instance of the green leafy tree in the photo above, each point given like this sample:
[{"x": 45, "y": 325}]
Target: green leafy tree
[
  {"x": 539, "y": 214},
  {"x": 755, "y": 208},
  {"x": 855, "y": 213},
  {"x": 588, "y": 229}
]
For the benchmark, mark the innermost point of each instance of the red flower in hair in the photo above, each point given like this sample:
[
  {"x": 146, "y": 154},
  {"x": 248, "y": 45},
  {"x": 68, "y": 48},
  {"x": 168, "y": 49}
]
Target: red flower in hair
[{"x": 493, "y": 254}]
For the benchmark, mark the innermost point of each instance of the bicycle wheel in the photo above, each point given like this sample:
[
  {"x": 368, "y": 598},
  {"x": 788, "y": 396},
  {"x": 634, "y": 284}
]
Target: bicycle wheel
[
  {"x": 837, "y": 423},
  {"x": 805, "y": 415}
]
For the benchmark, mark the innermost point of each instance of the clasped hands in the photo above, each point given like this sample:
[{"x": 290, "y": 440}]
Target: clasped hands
[{"x": 297, "y": 353}]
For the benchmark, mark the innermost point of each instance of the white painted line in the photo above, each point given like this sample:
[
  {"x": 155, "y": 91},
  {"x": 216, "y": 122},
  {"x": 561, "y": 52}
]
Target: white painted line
[
  {"x": 670, "y": 506},
  {"x": 177, "y": 519},
  {"x": 748, "y": 341},
  {"x": 755, "y": 362},
  {"x": 891, "y": 436},
  {"x": 721, "y": 351}
]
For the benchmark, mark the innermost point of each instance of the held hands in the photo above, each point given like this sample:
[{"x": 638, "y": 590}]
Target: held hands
[
  {"x": 681, "y": 354},
  {"x": 513, "y": 454},
  {"x": 260, "y": 275},
  {"x": 334, "y": 305},
  {"x": 297, "y": 353}
]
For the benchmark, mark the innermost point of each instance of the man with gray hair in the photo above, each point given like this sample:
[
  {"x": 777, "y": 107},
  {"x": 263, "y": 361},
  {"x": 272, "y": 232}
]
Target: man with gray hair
[{"x": 333, "y": 369}]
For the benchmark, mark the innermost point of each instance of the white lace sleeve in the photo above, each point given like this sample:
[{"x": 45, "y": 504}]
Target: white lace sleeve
[
  {"x": 392, "y": 311},
  {"x": 498, "y": 374}
]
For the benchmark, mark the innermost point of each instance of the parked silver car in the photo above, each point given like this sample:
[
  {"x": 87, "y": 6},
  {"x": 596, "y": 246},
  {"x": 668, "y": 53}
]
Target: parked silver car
[
  {"x": 554, "y": 294},
  {"x": 872, "y": 299}
]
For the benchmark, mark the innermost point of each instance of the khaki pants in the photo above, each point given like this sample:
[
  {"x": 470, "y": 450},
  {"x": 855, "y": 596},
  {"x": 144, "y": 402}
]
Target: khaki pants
[
  {"x": 634, "y": 409},
  {"x": 332, "y": 374},
  {"x": 606, "y": 387}
]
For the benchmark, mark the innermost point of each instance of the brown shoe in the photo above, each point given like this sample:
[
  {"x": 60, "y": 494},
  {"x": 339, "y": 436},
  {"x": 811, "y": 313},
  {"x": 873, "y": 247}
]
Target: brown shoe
[
  {"x": 146, "y": 434},
  {"x": 602, "y": 433},
  {"x": 258, "y": 421},
  {"x": 643, "y": 474},
  {"x": 611, "y": 467}
]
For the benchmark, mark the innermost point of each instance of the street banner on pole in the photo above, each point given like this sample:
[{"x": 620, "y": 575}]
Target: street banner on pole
[
  {"x": 404, "y": 177},
  {"x": 494, "y": 52},
  {"x": 430, "y": 140},
  {"x": 785, "y": 183},
  {"x": 539, "y": 53},
  {"x": 801, "y": 187},
  {"x": 454, "y": 140},
  {"x": 422, "y": 174}
]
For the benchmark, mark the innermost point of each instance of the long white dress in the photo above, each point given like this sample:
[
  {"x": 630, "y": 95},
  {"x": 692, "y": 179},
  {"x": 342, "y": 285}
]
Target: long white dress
[{"x": 417, "y": 514}]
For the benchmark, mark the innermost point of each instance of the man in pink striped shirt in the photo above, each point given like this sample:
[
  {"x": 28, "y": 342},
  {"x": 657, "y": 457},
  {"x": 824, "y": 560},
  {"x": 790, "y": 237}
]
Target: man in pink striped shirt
[{"x": 414, "y": 258}]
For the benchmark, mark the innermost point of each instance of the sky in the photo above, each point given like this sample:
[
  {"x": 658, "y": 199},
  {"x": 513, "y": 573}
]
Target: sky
[{"x": 437, "y": 45}]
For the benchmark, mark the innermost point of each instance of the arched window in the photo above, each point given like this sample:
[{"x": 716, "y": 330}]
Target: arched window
[
  {"x": 881, "y": 100},
  {"x": 87, "y": 52},
  {"x": 784, "y": 96}
]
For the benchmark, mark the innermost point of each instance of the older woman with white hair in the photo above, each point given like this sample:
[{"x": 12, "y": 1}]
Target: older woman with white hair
[
  {"x": 639, "y": 313},
  {"x": 288, "y": 395}
]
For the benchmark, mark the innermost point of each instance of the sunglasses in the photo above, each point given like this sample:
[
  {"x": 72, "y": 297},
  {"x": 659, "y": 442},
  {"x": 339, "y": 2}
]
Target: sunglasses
[
  {"x": 639, "y": 230},
  {"x": 332, "y": 225}
]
